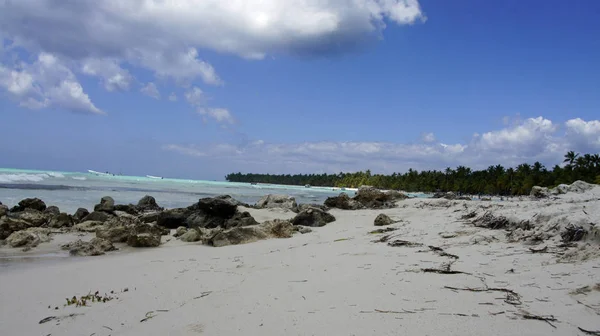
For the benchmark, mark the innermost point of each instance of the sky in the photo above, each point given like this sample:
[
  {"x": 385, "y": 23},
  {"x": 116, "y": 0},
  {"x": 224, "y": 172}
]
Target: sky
[{"x": 202, "y": 88}]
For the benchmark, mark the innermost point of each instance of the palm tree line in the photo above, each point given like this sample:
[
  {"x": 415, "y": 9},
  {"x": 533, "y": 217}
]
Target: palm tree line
[{"x": 495, "y": 180}]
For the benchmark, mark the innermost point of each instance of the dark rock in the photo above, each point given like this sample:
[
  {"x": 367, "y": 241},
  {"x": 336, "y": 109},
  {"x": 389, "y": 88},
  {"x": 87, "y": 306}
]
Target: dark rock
[
  {"x": 539, "y": 192},
  {"x": 144, "y": 240},
  {"x": 146, "y": 228},
  {"x": 94, "y": 247},
  {"x": 113, "y": 231},
  {"x": 313, "y": 217},
  {"x": 30, "y": 203},
  {"x": 107, "y": 204},
  {"x": 573, "y": 233},
  {"x": 382, "y": 220},
  {"x": 128, "y": 208},
  {"x": 242, "y": 235},
  {"x": 302, "y": 229},
  {"x": 240, "y": 219},
  {"x": 61, "y": 220},
  {"x": 173, "y": 218},
  {"x": 343, "y": 201},
  {"x": 28, "y": 238},
  {"x": 80, "y": 214},
  {"x": 216, "y": 207},
  {"x": 373, "y": 198},
  {"x": 396, "y": 195},
  {"x": 52, "y": 211},
  {"x": 277, "y": 201},
  {"x": 232, "y": 200},
  {"x": 148, "y": 203},
  {"x": 97, "y": 216}
]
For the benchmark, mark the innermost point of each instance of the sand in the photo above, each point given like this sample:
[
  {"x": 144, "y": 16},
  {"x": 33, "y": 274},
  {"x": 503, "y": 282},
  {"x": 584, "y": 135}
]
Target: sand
[{"x": 333, "y": 281}]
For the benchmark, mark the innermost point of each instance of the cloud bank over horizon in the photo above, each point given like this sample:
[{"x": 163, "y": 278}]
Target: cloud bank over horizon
[
  {"x": 527, "y": 141},
  {"x": 104, "y": 39}
]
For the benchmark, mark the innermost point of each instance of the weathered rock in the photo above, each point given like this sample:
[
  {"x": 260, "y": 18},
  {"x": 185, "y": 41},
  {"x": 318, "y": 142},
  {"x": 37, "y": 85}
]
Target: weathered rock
[
  {"x": 240, "y": 219},
  {"x": 88, "y": 226},
  {"x": 30, "y": 238},
  {"x": 107, "y": 204},
  {"x": 127, "y": 208},
  {"x": 201, "y": 219},
  {"x": 180, "y": 231},
  {"x": 146, "y": 228},
  {"x": 114, "y": 232},
  {"x": 61, "y": 220},
  {"x": 144, "y": 240},
  {"x": 382, "y": 220},
  {"x": 277, "y": 201},
  {"x": 8, "y": 225},
  {"x": 396, "y": 195},
  {"x": 539, "y": 192},
  {"x": 373, "y": 198},
  {"x": 313, "y": 217},
  {"x": 215, "y": 207},
  {"x": 97, "y": 216},
  {"x": 149, "y": 217},
  {"x": 52, "y": 211},
  {"x": 232, "y": 200},
  {"x": 94, "y": 247},
  {"x": 191, "y": 235},
  {"x": 242, "y": 235},
  {"x": 34, "y": 217},
  {"x": 302, "y": 207},
  {"x": 80, "y": 214},
  {"x": 3, "y": 210},
  {"x": 173, "y": 218},
  {"x": 148, "y": 203},
  {"x": 343, "y": 201},
  {"x": 129, "y": 217},
  {"x": 575, "y": 187},
  {"x": 30, "y": 203}
]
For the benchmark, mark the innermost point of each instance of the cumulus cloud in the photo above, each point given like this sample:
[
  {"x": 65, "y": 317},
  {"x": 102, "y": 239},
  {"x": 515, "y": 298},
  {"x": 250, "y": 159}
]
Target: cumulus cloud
[
  {"x": 47, "y": 82},
  {"x": 534, "y": 139},
  {"x": 194, "y": 96},
  {"x": 220, "y": 115},
  {"x": 151, "y": 90},
  {"x": 112, "y": 75},
  {"x": 428, "y": 137},
  {"x": 101, "y": 37}
]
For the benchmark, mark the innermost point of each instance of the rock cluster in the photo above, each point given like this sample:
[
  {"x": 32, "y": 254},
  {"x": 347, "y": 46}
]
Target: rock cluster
[
  {"x": 576, "y": 187},
  {"x": 366, "y": 197}
]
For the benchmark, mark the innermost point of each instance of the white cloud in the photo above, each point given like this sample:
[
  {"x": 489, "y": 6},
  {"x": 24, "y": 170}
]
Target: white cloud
[
  {"x": 151, "y": 90},
  {"x": 428, "y": 137},
  {"x": 195, "y": 96},
  {"x": 534, "y": 139},
  {"x": 173, "y": 97},
  {"x": 47, "y": 82},
  {"x": 220, "y": 115},
  {"x": 113, "y": 76}
]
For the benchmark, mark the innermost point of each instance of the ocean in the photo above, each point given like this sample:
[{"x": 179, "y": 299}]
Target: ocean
[{"x": 72, "y": 190}]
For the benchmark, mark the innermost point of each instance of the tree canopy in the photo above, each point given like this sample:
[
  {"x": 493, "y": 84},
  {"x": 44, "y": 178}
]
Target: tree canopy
[{"x": 496, "y": 180}]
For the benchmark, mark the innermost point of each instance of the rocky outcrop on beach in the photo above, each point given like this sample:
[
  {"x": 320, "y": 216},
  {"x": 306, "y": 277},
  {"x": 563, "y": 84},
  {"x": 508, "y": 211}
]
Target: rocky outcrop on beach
[
  {"x": 28, "y": 238},
  {"x": 383, "y": 220},
  {"x": 313, "y": 217},
  {"x": 366, "y": 198},
  {"x": 243, "y": 235},
  {"x": 94, "y": 247},
  {"x": 277, "y": 202}
]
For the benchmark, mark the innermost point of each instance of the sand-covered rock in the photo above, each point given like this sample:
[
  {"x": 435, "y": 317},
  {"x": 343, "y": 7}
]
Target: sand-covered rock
[
  {"x": 28, "y": 238},
  {"x": 382, "y": 220},
  {"x": 180, "y": 231},
  {"x": 575, "y": 187},
  {"x": 95, "y": 247},
  {"x": 539, "y": 192},
  {"x": 143, "y": 240},
  {"x": 34, "y": 217},
  {"x": 30, "y": 203},
  {"x": 113, "y": 232},
  {"x": 8, "y": 225},
  {"x": 243, "y": 235},
  {"x": 87, "y": 226},
  {"x": 149, "y": 217},
  {"x": 313, "y": 217},
  {"x": 191, "y": 235},
  {"x": 107, "y": 204},
  {"x": 277, "y": 201},
  {"x": 98, "y": 216}
]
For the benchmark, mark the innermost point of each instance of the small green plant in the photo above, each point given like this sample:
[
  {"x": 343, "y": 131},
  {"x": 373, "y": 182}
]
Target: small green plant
[{"x": 83, "y": 300}]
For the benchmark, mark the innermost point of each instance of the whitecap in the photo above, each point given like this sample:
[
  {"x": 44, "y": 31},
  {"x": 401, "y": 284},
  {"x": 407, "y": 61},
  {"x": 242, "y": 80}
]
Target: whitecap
[{"x": 11, "y": 178}]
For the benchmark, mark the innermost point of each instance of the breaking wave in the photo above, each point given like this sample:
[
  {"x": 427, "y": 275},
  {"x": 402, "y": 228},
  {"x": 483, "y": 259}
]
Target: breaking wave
[{"x": 28, "y": 177}]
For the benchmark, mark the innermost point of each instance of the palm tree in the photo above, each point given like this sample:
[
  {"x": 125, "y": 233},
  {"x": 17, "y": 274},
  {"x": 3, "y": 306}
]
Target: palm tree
[{"x": 570, "y": 157}]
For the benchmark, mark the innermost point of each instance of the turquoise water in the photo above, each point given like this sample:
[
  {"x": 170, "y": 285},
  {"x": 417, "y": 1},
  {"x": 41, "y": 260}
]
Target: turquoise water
[{"x": 71, "y": 190}]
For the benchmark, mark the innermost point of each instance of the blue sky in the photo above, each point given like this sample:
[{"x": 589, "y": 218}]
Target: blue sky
[{"x": 300, "y": 86}]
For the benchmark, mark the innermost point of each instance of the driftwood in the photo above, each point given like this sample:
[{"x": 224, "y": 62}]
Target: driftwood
[
  {"x": 540, "y": 250},
  {"x": 512, "y": 297},
  {"x": 439, "y": 251},
  {"x": 399, "y": 243},
  {"x": 548, "y": 319},
  {"x": 379, "y": 231},
  {"x": 590, "y": 332}
]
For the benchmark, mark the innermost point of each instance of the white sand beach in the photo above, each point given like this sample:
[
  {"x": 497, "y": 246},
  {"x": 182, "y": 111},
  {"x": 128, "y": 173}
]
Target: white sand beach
[{"x": 336, "y": 280}]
